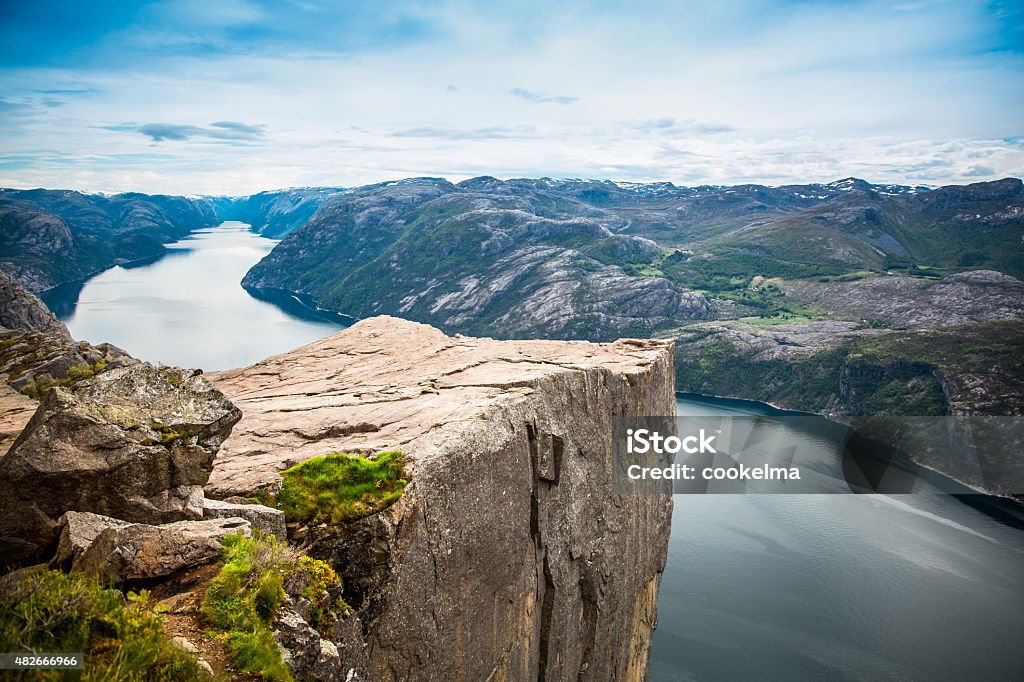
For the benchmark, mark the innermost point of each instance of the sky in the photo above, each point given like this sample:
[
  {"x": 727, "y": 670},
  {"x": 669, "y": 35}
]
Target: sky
[{"x": 239, "y": 96}]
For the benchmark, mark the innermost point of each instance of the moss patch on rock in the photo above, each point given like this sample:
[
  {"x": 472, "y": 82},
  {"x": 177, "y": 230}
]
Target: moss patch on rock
[{"x": 340, "y": 488}]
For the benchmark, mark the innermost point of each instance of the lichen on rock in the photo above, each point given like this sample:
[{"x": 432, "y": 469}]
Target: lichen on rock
[{"x": 100, "y": 446}]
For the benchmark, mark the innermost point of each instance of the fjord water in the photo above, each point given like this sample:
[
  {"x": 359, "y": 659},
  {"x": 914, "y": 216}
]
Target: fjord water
[
  {"x": 187, "y": 307},
  {"x": 860, "y": 587}
]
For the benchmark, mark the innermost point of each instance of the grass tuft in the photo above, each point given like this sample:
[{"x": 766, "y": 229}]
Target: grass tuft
[
  {"x": 242, "y": 600},
  {"x": 48, "y": 612},
  {"x": 339, "y": 488}
]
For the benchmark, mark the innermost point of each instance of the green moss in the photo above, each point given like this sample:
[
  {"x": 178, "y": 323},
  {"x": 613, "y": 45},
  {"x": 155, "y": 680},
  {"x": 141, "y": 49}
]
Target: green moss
[
  {"x": 338, "y": 488},
  {"x": 167, "y": 434},
  {"x": 37, "y": 389},
  {"x": 242, "y": 600},
  {"x": 174, "y": 376},
  {"x": 48, "y": 611}
]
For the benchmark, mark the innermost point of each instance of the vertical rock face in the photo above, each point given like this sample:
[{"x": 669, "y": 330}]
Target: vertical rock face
[{"x": 509, "y": 556}]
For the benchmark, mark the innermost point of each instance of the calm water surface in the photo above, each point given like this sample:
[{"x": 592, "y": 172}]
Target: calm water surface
[
  {"x": 824, "y": 587},
  {"x": 187, "y": 308}
]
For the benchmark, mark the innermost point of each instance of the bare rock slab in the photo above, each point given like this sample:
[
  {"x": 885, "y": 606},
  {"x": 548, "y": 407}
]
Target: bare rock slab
[
  {"x": 135, "y": 443},
  {"x": 78, "y": 530},
  {"x": 267, "y": 519},
  {"x": 140, "y": 551},
  {"x": 510, "y": 555}
]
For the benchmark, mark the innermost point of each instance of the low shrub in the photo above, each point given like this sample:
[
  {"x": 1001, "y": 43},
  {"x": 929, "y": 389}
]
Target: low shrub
[{"x": 242, "y": 600}]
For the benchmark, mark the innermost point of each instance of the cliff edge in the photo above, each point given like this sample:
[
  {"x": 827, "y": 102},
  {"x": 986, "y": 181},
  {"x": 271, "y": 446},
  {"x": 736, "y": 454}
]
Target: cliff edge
[{"x": 508, "y": 556}]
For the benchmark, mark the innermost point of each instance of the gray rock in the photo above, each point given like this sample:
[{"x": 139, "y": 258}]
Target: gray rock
[
  {"x": 21, "y": 309},
  {"x": 309, "y": 657},
  {"x": 267, "y": 519},
  {"x": 140, "y": 551},
  {"x": 78, "y": 530},
  {"x": 31, "y": 362},
  {"x": 912, "y": 302},
  {"x": 185, "y": 645},
  {"x": 136, "y": 443},
  {"x": 347, "y": 637}
]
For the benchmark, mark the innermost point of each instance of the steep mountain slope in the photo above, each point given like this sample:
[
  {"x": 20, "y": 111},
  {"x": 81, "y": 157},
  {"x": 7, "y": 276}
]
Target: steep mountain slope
[
  {"x": 592, "y": 259},
  {"x": 466, "y": 258},
  {"x": 48, "y": 237},
  {"x": 22, "y": 310},
  {"x": 274, "y": 214},
  {"x": 972, "y": 226}
]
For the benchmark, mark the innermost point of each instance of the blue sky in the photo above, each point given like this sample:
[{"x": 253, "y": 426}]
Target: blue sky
[{"x": 237, "y": 96}]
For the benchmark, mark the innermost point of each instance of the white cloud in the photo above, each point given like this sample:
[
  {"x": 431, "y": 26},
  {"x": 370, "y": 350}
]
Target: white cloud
[{"x": 717, "y": 93}]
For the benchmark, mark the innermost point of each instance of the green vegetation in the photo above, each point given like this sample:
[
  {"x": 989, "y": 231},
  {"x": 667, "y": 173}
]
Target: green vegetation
[
  {"x": 47, "y": 611},
  {"x": 37, "y": 389},
  {"x": 242, "y": 600},
  {"x": 783, "y": 318},
  {"x": 338, "y": 488},
  {"x": 167, "y": 435}
]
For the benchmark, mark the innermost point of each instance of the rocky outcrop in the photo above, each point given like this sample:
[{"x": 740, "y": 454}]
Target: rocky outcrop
[
  {"x": 32, "y": 362},
  {"x": 116, "y": 551},
  {"x": 22, "y": 310},
  {"x": 77, "y": 531},
  {"x": 912, "y": 302},
  {"x": 308, "y": 655},
  {"x": 267, "y": 519},
  {"x": 509, "y": 556},
  {"x": 136, "y": 443},
  {"x": 139, "y": 551}
]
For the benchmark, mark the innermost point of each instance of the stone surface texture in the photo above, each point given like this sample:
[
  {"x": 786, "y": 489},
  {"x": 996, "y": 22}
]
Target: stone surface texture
[
  {"x": 21, "y": 309},
  {"x": 140, "y": 551},
  {"x": 136, "y": 443},
  {"x": 266, "y": 519},
  {"x": 509, "y": 556}
]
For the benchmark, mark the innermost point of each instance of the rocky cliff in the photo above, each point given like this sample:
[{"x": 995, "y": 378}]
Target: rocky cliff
[
  {"x": 22, "y": 310},
  {"x": 508, "y": 556}
]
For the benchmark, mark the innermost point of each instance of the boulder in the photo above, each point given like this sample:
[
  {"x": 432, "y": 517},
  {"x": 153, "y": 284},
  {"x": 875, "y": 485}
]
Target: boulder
[
  {"x": 77, "y": 531},
  {"x": 139, "y": 551},
  {"x": 135, "y": 443},
  {"x": 267, "y": 519}
]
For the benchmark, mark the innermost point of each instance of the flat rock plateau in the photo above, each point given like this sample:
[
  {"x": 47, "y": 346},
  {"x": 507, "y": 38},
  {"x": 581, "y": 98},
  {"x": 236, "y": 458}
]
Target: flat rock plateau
[{"x": 509, "y": 556}]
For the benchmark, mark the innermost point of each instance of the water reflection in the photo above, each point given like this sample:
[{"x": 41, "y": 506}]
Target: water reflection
[{"x": 187, "y": 307}]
